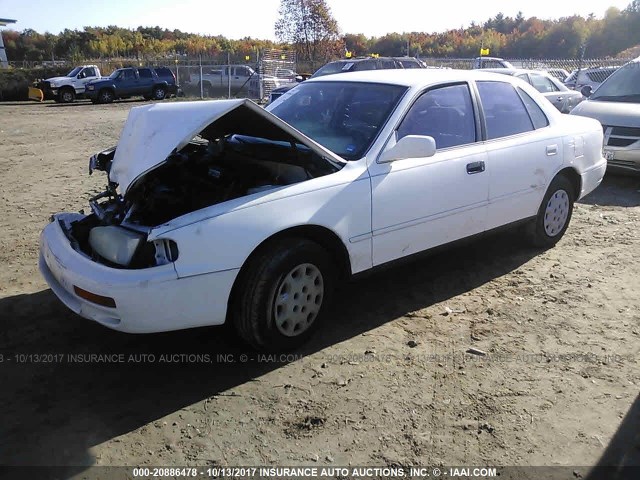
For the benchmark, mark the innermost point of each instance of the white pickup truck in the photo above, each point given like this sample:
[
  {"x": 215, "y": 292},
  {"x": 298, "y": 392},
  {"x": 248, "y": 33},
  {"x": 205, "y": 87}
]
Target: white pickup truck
[{"x": 71, "y": 86}]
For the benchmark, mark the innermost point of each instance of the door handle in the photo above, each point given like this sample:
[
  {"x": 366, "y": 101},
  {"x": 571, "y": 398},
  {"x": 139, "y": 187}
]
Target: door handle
[
  {"x": 560, "y": 99},
  {"x": 475, "y": 167},
  {"x": 552, "y": 150}
]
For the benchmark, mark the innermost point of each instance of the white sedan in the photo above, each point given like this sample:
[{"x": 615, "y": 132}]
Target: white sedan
[{"x": 224, "y": 211}]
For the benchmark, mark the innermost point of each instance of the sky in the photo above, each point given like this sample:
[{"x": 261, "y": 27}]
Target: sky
[{"x": 255, "y": 18}]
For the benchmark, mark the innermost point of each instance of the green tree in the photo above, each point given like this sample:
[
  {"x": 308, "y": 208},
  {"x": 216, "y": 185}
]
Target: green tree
[{"x": 310, "y": 27}]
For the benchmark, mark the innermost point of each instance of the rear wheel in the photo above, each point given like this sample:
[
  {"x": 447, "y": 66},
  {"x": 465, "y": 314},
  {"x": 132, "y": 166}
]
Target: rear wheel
[
  {"x": 283, "y": 295},
  {"x": 554, "y": 214},
  {"x": 159, "y": 93},
  {"x": 205, "y": 89}
]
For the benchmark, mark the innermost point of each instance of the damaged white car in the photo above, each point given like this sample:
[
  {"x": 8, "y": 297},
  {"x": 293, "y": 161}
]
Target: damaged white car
[{"x": 223, "y": 211}]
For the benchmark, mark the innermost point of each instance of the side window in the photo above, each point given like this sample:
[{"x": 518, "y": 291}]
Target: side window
[
  {"x": 145, "y": 73},
  {"x": 242, "y": 71},
  {"x": 128, "y": 74},
  {"x": 504, "y": 112},
  {"x": 89, "y": 72},
  {"x": 387, "y": 63},
  {"x": 542, "y": 84},
  {"x": 445, "y": 113},
  {"x": 535, "y": 112},
  {"x": 525, "y": 77}
]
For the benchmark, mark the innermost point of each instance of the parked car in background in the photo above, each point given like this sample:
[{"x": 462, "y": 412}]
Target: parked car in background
[
  {"x": 354, "y": 65},
  {"x": 490, "y": 62},
  {"x": 558, "y": 73},
  {"x": 166, "y": 74},
  {"x": 553, "y": 90},
  {"x": 71, "y": 86},
  {"x": 131, "y": 82},
  {"x": 219, "y": 80},
  {"x": 588, "y": 76},
  {"x": 223, "y": 210},
  {"x": 616, "y": 105}
]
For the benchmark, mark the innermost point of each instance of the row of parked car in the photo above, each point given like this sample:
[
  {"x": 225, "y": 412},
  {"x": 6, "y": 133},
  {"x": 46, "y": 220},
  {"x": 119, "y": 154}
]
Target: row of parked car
[{"x": 87, "y": 81}]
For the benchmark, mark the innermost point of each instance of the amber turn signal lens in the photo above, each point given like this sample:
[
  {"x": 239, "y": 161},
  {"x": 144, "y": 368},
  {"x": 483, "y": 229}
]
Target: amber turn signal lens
[{"x": 95, "y": 298}]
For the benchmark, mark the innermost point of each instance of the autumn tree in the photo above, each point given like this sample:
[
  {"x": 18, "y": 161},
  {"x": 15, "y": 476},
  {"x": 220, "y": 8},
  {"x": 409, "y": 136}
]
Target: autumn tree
[{"x": 310, "y": 27}]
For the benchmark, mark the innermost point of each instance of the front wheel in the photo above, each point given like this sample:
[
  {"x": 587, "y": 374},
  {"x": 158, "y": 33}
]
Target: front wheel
[
  {"x": 283, "y": 295},
  {"x": 67, "y": 95},
  {"x": 106, "y": 96},
  {"x": 554, "y": 214}
]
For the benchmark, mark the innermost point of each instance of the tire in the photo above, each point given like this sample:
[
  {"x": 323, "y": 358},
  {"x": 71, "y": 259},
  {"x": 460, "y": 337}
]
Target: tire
[
  {"x": 159, "y": 93},
  {"x": 206, "y": 89},
  {"x": 283, "y": 294},
  {"x": 106, "y": 96},
  {"x": 554, "y": 214},
  {"x": 67, "y": 95}
]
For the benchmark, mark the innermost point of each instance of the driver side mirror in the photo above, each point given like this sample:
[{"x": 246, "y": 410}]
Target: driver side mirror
[
  {"x": 299, "y": 78},
  {"x": 586, "y": 91},
  {"x": 411, "y": 146}
]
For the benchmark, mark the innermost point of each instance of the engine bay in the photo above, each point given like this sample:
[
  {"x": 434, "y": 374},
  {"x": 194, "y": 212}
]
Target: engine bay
[{"x": 207, "y": 171}]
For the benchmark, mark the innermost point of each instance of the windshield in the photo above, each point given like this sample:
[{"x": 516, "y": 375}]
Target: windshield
[
  {"x": 344, "y": 117},
  {"x": 74, "y": 72},
  {"x": 622, "y": 86},
  {"x": 333, "y": 67},
  {"x": 115, "y": 74}
]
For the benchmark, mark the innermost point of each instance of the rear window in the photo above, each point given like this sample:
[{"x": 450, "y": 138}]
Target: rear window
[
  {"x": 145, "y": 73},
  {"x": 504, "y": 111}
]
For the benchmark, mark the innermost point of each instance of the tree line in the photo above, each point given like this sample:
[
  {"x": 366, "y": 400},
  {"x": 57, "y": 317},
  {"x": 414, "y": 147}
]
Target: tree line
[{"x": 309, "y": 27}]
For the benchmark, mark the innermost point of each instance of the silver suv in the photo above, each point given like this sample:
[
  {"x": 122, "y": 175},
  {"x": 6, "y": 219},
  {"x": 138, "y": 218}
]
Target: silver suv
[{"x": 616, "y": 104}]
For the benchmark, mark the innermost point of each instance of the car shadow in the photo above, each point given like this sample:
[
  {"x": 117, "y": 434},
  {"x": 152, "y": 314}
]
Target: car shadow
[
  {"x": 621, "y": 459},
  {"x": 57, "y": 406},
  {"x": 85, "y": 103},
  {"x": 616, "y": 190}
]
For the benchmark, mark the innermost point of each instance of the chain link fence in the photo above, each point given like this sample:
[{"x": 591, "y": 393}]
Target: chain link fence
[{"x": 255, "y": 74}]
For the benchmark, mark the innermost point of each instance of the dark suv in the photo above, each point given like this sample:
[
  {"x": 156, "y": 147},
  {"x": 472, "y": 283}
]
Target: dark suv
[
  {"x": 354, "y": 65},
  {"x": 150, "y": 83}
]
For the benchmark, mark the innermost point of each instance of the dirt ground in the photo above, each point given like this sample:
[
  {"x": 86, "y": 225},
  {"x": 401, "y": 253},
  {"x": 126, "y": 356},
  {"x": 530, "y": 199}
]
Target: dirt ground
[{"x": 387, "y": 382}]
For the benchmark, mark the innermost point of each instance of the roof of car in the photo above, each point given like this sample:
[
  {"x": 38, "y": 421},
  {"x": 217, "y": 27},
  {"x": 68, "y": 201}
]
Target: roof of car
[
  {"x": 513, "y": 71},
  {"x": 411, "y": 77}
]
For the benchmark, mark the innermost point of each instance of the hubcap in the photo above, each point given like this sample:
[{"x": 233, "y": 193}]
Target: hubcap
[
  {"x": 556, "y": 214},
  {"x": 298, "y": 299},
  {"x": 66, "y": 96},
  {"x": 159, "y": 94}
]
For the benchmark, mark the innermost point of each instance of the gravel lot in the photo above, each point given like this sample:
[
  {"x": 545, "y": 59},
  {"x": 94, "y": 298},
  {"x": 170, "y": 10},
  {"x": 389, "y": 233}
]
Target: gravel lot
[{"x": 388, "y": 382}]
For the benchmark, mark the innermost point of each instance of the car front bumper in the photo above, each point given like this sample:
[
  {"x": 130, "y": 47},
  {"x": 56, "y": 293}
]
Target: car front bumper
[
  {"x": 623, "y": 159},
  {"x": 146, "y": 300}
]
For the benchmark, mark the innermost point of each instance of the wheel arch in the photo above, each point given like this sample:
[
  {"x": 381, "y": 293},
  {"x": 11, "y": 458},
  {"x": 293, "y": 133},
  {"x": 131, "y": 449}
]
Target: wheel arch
[
  {"x": 574, "y": 177},
  {"x": 323, "y": 236}
]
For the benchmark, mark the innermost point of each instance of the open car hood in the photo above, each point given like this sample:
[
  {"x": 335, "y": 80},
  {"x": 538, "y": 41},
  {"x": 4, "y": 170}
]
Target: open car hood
[{"x": 153, "y": 132}]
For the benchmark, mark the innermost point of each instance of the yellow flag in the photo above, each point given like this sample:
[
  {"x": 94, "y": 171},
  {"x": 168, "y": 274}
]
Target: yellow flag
[
  {"x": 246, "y": 57},
  {"x": 484, "y": 51},
  {"x": 348, "y": 54}
]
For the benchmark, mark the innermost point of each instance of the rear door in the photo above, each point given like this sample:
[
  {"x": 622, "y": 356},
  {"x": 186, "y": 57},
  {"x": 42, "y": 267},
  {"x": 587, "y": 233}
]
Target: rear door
[
  {"x": 523, "y": 153},
  {"x": 549, "y": 89},
  {"x": 146, "y": 80}
]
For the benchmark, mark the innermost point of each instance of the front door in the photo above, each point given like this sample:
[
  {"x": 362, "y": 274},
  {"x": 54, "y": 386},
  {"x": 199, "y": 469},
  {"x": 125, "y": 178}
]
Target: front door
[{"x": 420, "y": 203}]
